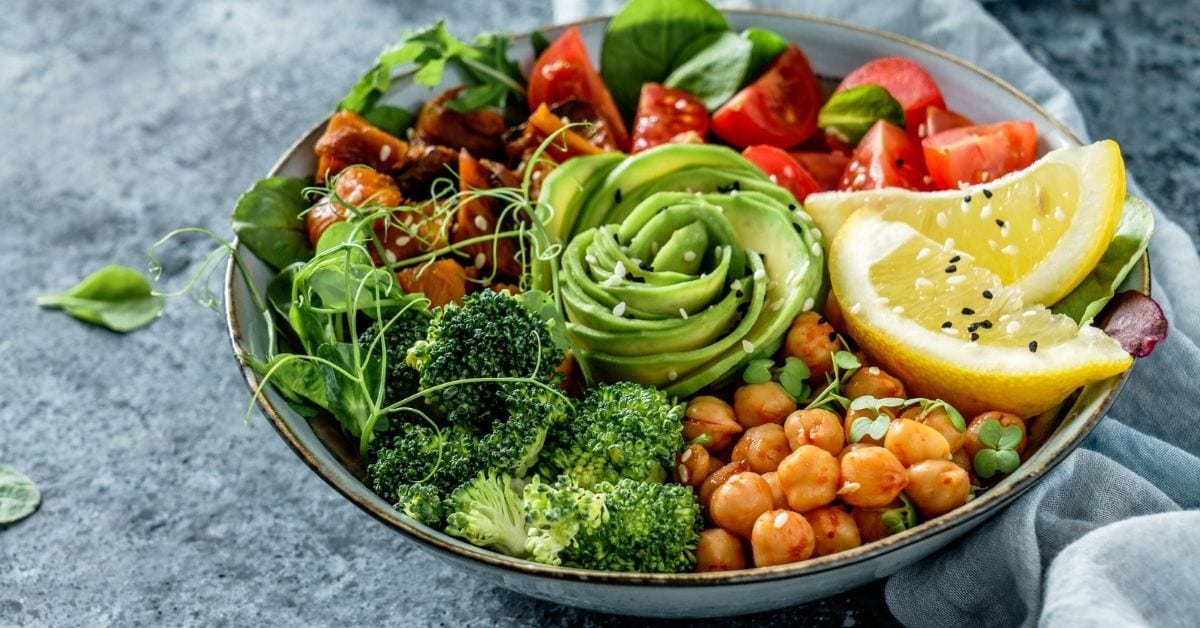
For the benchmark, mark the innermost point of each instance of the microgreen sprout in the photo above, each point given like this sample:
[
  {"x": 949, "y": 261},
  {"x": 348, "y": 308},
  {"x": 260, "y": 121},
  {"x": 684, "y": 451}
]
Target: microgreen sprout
[
  {"x": 900, "y": 518},
  {"x": 875, "y": 425},
  {"x": 792, "y": 376},
  {"x": 844, "y": 365},
  {"x": 999, "y": 453}
]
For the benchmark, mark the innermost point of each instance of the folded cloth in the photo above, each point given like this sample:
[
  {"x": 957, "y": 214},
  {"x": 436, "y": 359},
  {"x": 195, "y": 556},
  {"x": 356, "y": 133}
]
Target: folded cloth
[{"x": 1085, "y": 545}]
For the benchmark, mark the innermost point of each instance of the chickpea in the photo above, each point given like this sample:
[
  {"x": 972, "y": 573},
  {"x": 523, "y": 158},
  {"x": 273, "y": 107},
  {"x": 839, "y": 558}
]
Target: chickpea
[
  {"x": 711, "y": 416},
  {"x": 812, "y": 339},
  {"x": 777, "y": 494},
  {"x": 834, "y": 530},
  {"x": 693, "y": 466},
  {"x": 781, "y": 537},
  {"x": 756, "y": 404},
  {"x": 913, "y": 442},
  {"x": 809, "y": 477},
  {"x": 871, "y": 477},
  {"x": 852, "y": 447},
  {"x": 719, "y": 550},
  {"x": 855, "y": 415},
  {"x": 870, "y": 523},
  {"x": 717, "y": 478},
  {"x": 940, "y": 421},
  {"x": 739, "y": 501},
  {"x": 874, "y": 382},
  {"x": 971, "y": 442},
  {"x": 818, "y": 427},
  {"x": 763, "y": 447},
  {"x": 833, "y": 313},
  {"x": 937, "y": 486},
  {"x": 961, "y": 459}
]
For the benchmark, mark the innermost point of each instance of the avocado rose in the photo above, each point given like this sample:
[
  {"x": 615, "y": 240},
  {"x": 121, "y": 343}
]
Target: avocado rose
[{"x": 681, "y": 263}]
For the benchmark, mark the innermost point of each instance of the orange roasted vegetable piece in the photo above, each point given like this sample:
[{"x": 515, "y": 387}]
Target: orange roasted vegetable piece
[
  {"x": 349, "y": 139},
  {"x": 476, "y": 218},
  {"x": 357, "y": 186},
  {"x": 480, "y": 132},
  {"x": 442, "y": 282},
  {"x": 566, "y": 144}
]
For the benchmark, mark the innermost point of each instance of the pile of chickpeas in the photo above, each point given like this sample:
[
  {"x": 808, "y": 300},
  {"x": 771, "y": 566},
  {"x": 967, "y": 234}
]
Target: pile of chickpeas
[{"x": 781, "y": 484}]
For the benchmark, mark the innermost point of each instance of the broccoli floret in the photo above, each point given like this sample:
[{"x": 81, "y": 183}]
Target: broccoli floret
[
  {"x": 422, "y": 502},
  {"x": 618, "y": 430},
  {"x": 409, "y": 327},
  {"x": 554, "y": 514},
  {"x": 515, "y": 443},
  {"x": 491, "y": 335},
  {"x": 418, "y": 454},
  {"x": 648, "y": 528},
  {"x": 487, "y": 512}
]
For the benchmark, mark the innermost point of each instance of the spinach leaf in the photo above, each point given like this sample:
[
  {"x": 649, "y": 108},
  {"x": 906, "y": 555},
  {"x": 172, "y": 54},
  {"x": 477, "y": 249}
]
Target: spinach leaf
[
  {"x": 849, "y": 115},
  {"x": 716, "y": 71},
  {"x": 644, "y": 40},
  {"x": 1127, "y": 247},
  {"x": 19, "y": 496},
  {"x": 116, "y": 297},
  {"x": 539, "y": 43},
  {"x": 279, "y": 289},
  {"x": 297, "y": 379},
  {"x": 347, "y": 399},
  {"x": 394, "y": 120},
  {"x": 766, "y": 45},
  {"x": 267, "y": 220}
]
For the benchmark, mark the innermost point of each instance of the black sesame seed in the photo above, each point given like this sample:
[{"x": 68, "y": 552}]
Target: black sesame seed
[
  {"x": 1033, "y": 346},
  {"x": 974, "y": 337},
  {"x": 743, "y": 307},
  {"x": 792, "y": 206},
  {"x": 947, "y": 325},
  {"x": 739, "y": 294},
  {"x": 951, "y": 268},
  {"x": 955, "y": 259},
  {"x": 972, "y": 327},
  {"x": 967, "y": 198},
  {"x": 821, "y": 320},
  {"x": 985, "y": 324},
  {"x": 987, "y": 193},
  {"x": 899, "y": 163},
  {"x": 617, "y": 196},
  {"x": 967, "y": 311},
  {"x": 1000, "y": 223},
  {"x": 833, "y": 336},
  {"x": 737, "y": 185},
  {"x": 645, "y": 266},
  {"x": 987, "y": 294}
]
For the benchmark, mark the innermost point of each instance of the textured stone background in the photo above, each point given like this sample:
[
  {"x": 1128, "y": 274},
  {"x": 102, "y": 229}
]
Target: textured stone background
[{"x": 121, "y": 121}]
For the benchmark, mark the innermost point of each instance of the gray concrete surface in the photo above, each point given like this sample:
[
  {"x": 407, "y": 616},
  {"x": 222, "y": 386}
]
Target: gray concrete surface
[{"x": 121, "y": 121}]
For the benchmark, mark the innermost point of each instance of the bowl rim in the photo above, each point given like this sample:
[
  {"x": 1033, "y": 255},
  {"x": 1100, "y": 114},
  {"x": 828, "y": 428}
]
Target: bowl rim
[{"x": 430, "y": 538}]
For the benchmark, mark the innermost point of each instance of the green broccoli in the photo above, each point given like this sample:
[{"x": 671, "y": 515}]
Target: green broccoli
[
  {"x": 515, "y": 442},
  {"x": 554, "y": 514},
  {"x": 422, "y": 502},
  {"x": 417, "y": 454},
  {"x": 491, "y": 335},
  {"x": 487, "y": 512},
  {"x": 409, "y": 327},
  {"x": 618, "y": 430}
]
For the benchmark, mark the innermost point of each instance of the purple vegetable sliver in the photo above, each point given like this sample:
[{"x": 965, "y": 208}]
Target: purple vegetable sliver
[{"x": 1135, "y": 321}]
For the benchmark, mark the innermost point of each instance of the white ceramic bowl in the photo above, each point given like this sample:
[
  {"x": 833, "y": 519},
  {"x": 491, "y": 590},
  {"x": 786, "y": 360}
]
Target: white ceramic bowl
[{"x": 834, "y": 48}]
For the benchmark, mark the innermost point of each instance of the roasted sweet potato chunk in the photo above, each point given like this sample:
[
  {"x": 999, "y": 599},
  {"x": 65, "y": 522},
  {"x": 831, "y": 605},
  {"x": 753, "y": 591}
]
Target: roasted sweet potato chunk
[
  {"x": 349, "y": 139},
  {"x": 358, "y": 186},
  {"x": 480, "y": 132},
  {"x": 444, "y": 281},
  {"x": 476, "y": 218}
]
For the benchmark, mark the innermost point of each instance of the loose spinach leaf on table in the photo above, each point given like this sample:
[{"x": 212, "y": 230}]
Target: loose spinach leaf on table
[
  {"x": 267, "y": 220},
  {"x": 19, "y": 496},
  {"x": 1127, "y": 247},
  {"x": 850, "y": 114},
  {"x": 116, "y": 297},
  {"x": 714, "y": 69},
  {"x": 765, "y": 46},
  {"x": 644, "y": 40}
]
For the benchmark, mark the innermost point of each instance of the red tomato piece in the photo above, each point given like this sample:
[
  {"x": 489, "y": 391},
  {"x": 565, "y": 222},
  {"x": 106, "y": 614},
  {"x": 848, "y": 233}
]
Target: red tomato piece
[
  {"x": 938, "y": 120},
  {"x": 779, "y": 108},
  {"x": 905, "y": 80},
  {"x": 564, "y": 71},
  {"x": 666, "y": 115},
  {"x": 783, "y": 170},
  {"x": 977, "y": 154},
  {"x": 886, "y": 157},
  {"x": 825, "y": 168}
]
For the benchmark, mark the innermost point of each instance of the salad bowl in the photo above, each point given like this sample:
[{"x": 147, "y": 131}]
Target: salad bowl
[{"x": 834, "y": 48}]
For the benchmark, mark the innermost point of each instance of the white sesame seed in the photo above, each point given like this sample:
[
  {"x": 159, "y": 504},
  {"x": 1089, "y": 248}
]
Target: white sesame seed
[
  {"x": 942, "y": 221},
  {"x": 760, "y": 274},
  {"x": 808, "y": 304},
  {"x": 683, "y": 314},
  {"x": 1059, "y": 214},
  {"x": 589, "y": 258},
  {"x": 355, "y": 195},
  {"x": 480, "y": 259},
  {"x": 683, "y": 472},
  {"x": 777, "y": 305},
  {"x": 874, "y": 370},
  {"x": 385, "y": 151},
  {"x": 1009, "y": 250},
  {"x": 672, "y": 375},
  {"x": 736, "y": 285},
  {"x": 816, "y": 248},
  {"x": 747, "y": 346},
  {"x": 816, "y": 233},
  {"x": 1036, "y": 225},
  {"x": 391, "y": 257},
  {"x": 781, "y": 520},
  {"x": 948, "y": 245},
  {"x": 993, "y": 244},
  {"x": 971, "y": 346},
  {"x": 922, "y": 282},
  {"x": 619, "y": 309},
  {"x": 481, "y": 223},
  {"x": 803, "y": 215},
  {"x": 856, "y": 308},
  {"x": 849, "y": 487},
  {"x": 1004, "y": 230},
  {"x": 403, "y": 240},
  {"x": 899, "y": 309},
  {"x": 687, "y": 455},
  {"x": 689, "y": 256},
  {"x": 957, "y": 279},
  {"x": 1029, "y": 313},
  {"x": 986, "y": 212},
  {"x": 923, "y": 253},
  {"x": 790, "y": 276},
  {"x": 882, "y": 301},
  {"x": 1012, "y": 328},
  {"x": 950, "y": 330}
]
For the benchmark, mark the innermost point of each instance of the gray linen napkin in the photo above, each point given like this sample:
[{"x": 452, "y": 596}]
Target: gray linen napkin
[{"x": 1104, "y": 539}]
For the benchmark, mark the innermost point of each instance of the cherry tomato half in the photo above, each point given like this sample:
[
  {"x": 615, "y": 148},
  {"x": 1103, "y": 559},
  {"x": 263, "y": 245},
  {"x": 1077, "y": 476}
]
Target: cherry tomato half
[
  {"x": 905, "y": 80},
  {"x": 564, "y": 72},
  {"x": 825, "y": 168},
  {"x": 666, "y": 115},
  {"x": 977, "y": 154},
  {"x": 938, "y": 120},
  {"x": 783, "y": 170},
  {"x": 779, "y": 108},
  {"x": 885, "y": 157}
]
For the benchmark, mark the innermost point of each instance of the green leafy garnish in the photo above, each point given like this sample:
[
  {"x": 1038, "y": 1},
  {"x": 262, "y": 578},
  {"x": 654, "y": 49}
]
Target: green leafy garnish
[
  {"x": 268, "y": 220},
  {"x": 758, "y": 371},
  {"x": 929, "y": 405},
  {"x": 643, "y": 43},
  {"x": 539, "y": 42},
  {"x": 846, "y": 360},
  {"x": 899, "y": 519},
  {"x": 714, "y": 69},
  {"x": 765, "y": 46},
  {"x": 793, "y": 377},
  {"x": 876, "y": 428},
  {"x": 115, "y": 297},
  {"x": 19, "y": 496},
  {"x": 999, "y": 453},
  {"x": 394, "y": 120},
  {"x": 1127, "y": 247},
  {"x": 844, "y": 365},
  {"x": 850, "y": 114}
]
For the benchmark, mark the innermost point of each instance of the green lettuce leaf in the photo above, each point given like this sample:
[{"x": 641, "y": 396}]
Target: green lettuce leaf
[{"x": 1127, "y": 247}]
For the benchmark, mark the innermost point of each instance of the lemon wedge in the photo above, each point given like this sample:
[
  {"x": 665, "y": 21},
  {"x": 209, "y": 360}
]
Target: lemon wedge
[
  {"x": 946, "y": 325},
  {"x": 1041, "y": 229}
]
